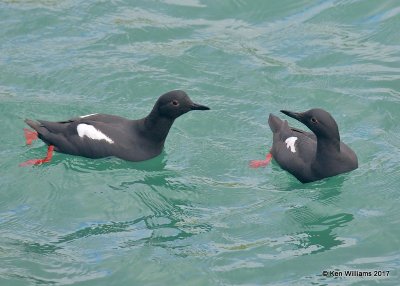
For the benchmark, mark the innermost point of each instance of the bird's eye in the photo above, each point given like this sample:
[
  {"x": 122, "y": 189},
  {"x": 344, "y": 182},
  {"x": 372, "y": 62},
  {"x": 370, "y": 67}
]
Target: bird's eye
[
  {"x": 313, "y": 120},
  {"x": 175, "y": 102}
]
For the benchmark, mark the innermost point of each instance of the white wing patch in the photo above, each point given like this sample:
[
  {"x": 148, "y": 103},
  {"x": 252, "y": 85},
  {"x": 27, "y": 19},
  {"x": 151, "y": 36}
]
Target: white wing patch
[
  {"x": 83, "y": 116},
  {"x": 91, "y": 132},
  {"x": 290, "y": 144}
]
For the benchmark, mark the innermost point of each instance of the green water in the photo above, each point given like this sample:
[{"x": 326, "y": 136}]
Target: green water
[{"x": 197, "y": 214}]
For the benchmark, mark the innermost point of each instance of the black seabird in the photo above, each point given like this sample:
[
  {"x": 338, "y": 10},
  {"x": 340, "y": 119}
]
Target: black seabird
[
  {"x": 102, "y": 135},
  {"x": 309, "y": 156}
]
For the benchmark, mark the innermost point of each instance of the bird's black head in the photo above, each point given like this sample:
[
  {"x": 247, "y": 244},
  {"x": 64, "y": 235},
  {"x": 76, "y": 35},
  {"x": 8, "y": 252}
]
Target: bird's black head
[
  {"x": 319, "y": 121},
  {"x": 175, "y": 103}
]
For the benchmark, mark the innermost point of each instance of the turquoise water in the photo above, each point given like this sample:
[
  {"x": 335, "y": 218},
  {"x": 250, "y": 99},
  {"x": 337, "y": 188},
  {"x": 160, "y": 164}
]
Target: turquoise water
[{"x": 197, "y": 214}]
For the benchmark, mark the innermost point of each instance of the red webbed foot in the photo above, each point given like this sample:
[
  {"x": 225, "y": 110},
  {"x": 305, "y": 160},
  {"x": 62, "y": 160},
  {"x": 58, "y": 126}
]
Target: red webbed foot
[
  {"x": 261, "y": 163},
  {"x": 46, "y": 159},
  {"x": 30, "y": 136}
]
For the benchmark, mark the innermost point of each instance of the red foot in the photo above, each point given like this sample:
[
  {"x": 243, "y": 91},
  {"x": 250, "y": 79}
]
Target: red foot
[
  {"x": 40, "y": 161},
  {"x": 261, "y": 163},
  {"x": 30, "y": 136}
]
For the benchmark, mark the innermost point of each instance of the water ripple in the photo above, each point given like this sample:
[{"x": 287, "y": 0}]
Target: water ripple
[{"x": 197, "y": 210}]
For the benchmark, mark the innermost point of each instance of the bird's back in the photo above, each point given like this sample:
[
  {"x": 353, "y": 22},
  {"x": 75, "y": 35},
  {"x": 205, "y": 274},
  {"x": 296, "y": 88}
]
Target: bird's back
[{"x": 293, "y": 149}]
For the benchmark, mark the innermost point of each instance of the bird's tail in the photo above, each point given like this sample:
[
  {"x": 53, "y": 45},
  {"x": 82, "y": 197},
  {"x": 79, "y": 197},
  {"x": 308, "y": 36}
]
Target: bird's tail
[
  {"x": 33, "y": 124},
  {"x": 29, "y": 134},
  {"x": 275, "y": 123}
]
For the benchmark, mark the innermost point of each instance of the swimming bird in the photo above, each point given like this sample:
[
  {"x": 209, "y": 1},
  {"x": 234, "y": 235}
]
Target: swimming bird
[
  {"x": 102, "y": 135},
  {"x": 309, "y": 156}
]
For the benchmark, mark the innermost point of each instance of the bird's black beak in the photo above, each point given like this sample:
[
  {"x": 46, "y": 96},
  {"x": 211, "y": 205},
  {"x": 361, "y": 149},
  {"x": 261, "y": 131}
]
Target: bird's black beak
[
  {"x": 296, "y": 115},
  {"x": 196, "y": 106}
]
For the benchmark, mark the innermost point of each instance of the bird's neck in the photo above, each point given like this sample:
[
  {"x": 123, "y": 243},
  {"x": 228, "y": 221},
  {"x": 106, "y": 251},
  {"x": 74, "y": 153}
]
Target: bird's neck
[
  {"x": 327, "y": 147},
  {"x": 156, "y": 127}
]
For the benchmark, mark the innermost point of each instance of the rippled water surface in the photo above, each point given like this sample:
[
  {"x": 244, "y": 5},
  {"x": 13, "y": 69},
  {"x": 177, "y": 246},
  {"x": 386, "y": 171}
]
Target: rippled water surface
[{"x": 197, "y": 214}]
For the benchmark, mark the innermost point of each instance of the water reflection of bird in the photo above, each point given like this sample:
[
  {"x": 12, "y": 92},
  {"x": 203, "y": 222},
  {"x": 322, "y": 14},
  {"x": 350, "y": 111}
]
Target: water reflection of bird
[{"x": 316, "y": 229}]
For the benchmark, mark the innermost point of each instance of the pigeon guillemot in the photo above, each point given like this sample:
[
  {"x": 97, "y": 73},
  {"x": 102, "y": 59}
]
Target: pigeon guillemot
[
  {"x": 309, "y": 156},
  {"x": 102, "y": 135}
]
